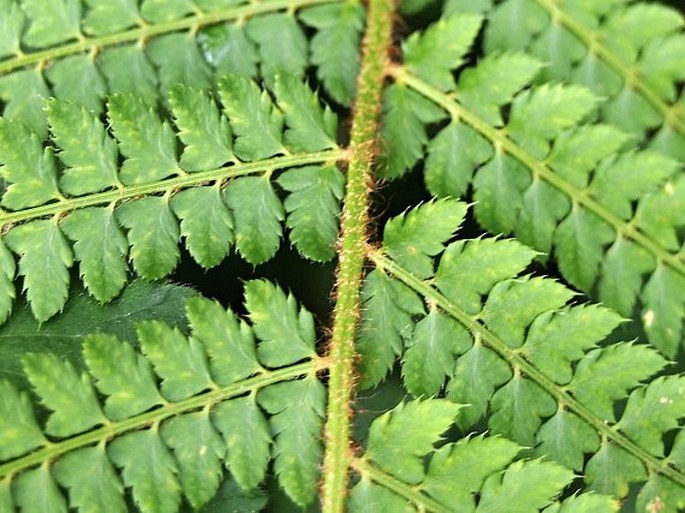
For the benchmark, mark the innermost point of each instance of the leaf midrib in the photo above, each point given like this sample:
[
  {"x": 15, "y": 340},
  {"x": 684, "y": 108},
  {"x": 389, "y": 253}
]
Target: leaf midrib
[
  {"x": 183, "y": 181},
  {"x": 143, "y": 33},
  {"x": 150, "y": 418}
]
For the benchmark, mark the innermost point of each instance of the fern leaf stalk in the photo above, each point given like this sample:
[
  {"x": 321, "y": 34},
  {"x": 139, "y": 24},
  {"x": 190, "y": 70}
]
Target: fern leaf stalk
[{"x": 352, "y": 244}]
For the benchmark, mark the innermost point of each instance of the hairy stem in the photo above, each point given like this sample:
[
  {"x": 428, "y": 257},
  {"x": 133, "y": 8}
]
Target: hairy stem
[
  {"x": 146, "y": 32},
  {"x": 352, "y": 252},
  {"x": 113, "y": 429}
]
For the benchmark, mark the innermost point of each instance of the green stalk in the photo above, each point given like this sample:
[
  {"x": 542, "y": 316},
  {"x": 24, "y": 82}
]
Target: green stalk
[{"x": 352, "y": 252}]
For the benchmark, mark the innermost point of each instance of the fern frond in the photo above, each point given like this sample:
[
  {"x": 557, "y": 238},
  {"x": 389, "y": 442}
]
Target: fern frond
[
  {"x": 547, "y": 175},
  {"x": 96, "y": 48},
  {"x": 402, "y": 470},
  {"x": 518, "y": 354},
  {"x": 226, "y": 394},
  {"x": 89, "y": 201},
  {"x": 628, "y": 52}
]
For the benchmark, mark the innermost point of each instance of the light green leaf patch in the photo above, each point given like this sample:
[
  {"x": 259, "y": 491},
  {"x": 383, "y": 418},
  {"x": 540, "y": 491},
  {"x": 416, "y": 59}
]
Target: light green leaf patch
[
  {"x": 69, "y": 396},
  {"x": 121, "y": 374},
  {"x": 19, "y": 431},
  {"x": 206, "y": 224},
  {"x": 88, "y": 152},
  {"x": 44, "y": 261},
  {"x": 412, "y": 239},
  {"x": 247, "y": 436},
  {"x": 100, "y": 247},
  {"x": 313, "y": 207},
  {"x": 179, "y": 362},
  {"x": 148, "y": 143},
  {"x": 204, "y": 131},
  {"x": 99, "y": 489},
  {"x": 28, "y": 167},
  {"x": 286, "y": 334},
  {"x": 229, "y": 342},
  {"x": 399, "y": 439},
  {"x": 257, "y": 213}
]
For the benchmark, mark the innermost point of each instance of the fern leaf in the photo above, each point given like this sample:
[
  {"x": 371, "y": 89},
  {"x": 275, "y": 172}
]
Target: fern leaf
[
  {"x": 257, "y": 124},
  {"x": 624, "y": 52},
  {"x": 441, "y": 48},
  {"x": 287, "y": 334},
  {"x": 21, "y": 432},
  {"x": 247, "y": 437},
  {"x": 168, "y": 443},
  {"x": 309, "y": 127},
  {"x": 181, "y": 365},
  {"x": 334, "y": 47},
  {"x": 204, "y": 131},
  {"x": 413, "y": 428},
  {"x": 313, "y": 234},
  {"x": 258, "y": 214},
  {"x": 92, "y": 211},
  {"x": 45, "y": 259},
  {"x": 12, "y": 21},
  {"x": 71, "y": 397},
  {"x": 476, "y": 474},
  {"x": 59, "y": 22},
  {"x": 101, "y": 490},
  {"x": 147, "y": 143},
  {"x": 198, "y": 450},
  {"x": 297, "y": 410},
  {"x": 286, "y": 53},
  {"x": 528, "y": 363},
  {"x": 81, "y": 138},
  {"x": 545, "y": 177},
  {"x": 27, "y": 165},
  {"x": 206, "y": 224},
  {"x": 105, "y": 17}
]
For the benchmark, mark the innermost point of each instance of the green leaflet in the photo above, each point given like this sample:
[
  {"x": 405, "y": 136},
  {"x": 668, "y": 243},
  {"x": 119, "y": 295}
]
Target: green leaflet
[
  {"x": 441, "y": 48},
  {"x": 100, "y": 488},
  {"x": 475, "y": 474},
  {"x": 257, "y": 213},
  {"x": 286, "y": 53},
  {"x": 309, "y": 127},
  {"x": 206, "y": 224},
  {"x": 51, "y": 24},
  {"x": 540, "y": 170},
  {"x": 29, "y": 167},
  {"x": 413, "y": 428},
  {"x": 71, "y": 397},
  {"x": 297, "y": 410},
  {"x": 44, "y": 261},
  {"x": 167, "y": 443},
  {"x": 11, "y": 25},
  {"x": 104, "y": 16},
  {"x": 257, "y": 124},
  {"x": 147, "y": 143},
  {"x": 149, "y": 469},
  {"x": 313, "y": 208},
  {"x": 527, "y": 363},
  {"x": 77, "y": 79},
  {"x": 151, "y": 193},
  {"x": 204, "y": 131},
  {"x": 287, "y": 335},
  {"x": 88, "y": 152},
  {"x": 334, "y": 47},
  {"x": 100, "y": 247},
  {"x": 153, "y": 235},
  {"x": 414, "y": 238}
]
